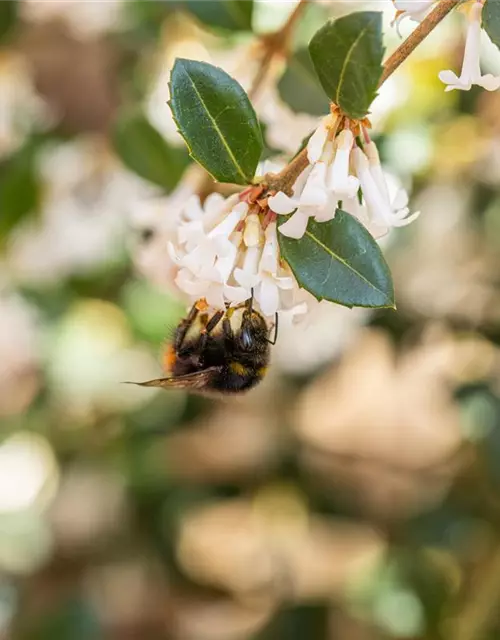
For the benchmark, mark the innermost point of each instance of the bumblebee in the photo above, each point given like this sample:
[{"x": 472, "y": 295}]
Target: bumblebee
[{"x": 227, "y": 352}]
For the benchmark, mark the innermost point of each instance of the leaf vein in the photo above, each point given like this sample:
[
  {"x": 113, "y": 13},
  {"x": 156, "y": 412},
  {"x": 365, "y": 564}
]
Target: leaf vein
[
  {"x": 341, "y": 260},
  {"x": 219, "y": 132}
]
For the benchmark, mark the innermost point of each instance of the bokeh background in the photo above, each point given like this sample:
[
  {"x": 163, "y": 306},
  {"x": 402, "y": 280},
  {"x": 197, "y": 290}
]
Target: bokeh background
[{"x": 355, "y": 495}]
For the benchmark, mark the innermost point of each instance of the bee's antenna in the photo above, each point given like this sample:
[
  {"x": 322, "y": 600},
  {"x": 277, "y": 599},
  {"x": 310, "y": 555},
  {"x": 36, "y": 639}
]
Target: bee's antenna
[
  {"x": 250, "y": 303},
  {"x": 273, "y": 342}
]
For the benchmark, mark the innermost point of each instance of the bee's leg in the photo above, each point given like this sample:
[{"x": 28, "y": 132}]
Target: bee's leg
[
  {"x": 273, "y": 341},
  {"x": 211, "y": 324},
  {"x": 184, "y": 327}
]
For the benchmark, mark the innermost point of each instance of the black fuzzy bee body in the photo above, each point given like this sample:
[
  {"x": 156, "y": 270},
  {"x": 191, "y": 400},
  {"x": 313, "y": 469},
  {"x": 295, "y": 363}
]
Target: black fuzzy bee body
[{"x": 227, "y": 352}]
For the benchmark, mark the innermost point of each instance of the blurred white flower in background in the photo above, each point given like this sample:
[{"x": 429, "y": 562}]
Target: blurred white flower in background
[
  {"x": 29, "y": 478},
  {"x": 28, "y": 472},
  {"x": 326, "y": 332},
  {"x": 92, "y": 353},
  {"x": 22, "y": 110},
  {"x": 82, "y": 222},
  {"x": 19, "y": 353},
  {"x": 85, "y": 18},
  {"x": 471, "y": 70}
]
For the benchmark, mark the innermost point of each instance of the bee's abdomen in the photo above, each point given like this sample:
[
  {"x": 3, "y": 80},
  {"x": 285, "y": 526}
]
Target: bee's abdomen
[{"x": 236, "y": 377}]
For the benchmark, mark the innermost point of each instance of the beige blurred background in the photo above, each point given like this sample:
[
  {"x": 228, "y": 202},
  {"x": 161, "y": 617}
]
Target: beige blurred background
[{"x": 355, "y": 494}]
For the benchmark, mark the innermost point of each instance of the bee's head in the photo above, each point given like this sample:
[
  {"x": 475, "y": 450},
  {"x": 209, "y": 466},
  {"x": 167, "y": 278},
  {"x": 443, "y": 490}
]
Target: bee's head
[{"x": 253, "y": 331}]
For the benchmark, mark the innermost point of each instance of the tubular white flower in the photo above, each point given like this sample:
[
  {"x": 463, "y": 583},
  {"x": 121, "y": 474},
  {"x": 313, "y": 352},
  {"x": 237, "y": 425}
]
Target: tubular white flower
[
  {"x": 318, "y": 139},
  {"x": 339, "y": 180},
  {"x": 321, "y": 186},
  {"x": 415, "y": 10},
  {"x": 471, "y": 70},
  {"x": 312, "y": 200},
  {"x": 381, "y": 212}
]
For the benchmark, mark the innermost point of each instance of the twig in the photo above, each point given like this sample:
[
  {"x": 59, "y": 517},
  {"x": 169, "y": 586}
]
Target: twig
[
  {"x": 275, "y": 44},
  {"x": 284, "y": 180}
]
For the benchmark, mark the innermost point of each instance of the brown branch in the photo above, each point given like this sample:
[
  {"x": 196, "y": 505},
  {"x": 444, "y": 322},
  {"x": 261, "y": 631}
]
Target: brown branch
[
  {"x": 427, "y": 25},
  {"x": 275, "y": 44},
  {"x": 284, "y": 180}
]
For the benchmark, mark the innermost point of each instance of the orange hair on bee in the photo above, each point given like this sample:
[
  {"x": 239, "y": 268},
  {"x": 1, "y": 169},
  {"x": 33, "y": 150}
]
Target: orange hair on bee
[{"x": 169, "y": 358}]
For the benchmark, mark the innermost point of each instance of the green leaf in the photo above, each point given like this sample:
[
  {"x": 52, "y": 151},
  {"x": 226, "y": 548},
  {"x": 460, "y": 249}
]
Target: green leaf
[
  {"x": 341, "y": 262},
  {"x": 491, "y": 20},
  {"x": 300, "y": 88},
  {"x": 235, "y": 15},
  {"x": 8, "y": 16},
  {"x": 19, "y": 190},
  {"x": 347, "y": 54},
  {"x": 144, "y": 150},
  {"x": 217, "y": 121}
]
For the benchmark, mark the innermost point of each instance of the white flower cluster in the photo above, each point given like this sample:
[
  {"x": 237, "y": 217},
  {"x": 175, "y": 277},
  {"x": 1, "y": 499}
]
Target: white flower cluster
[
  {"x": 471, "y": 74},
  {"x": 341, "y": 173},
  {"x": 227, "y": 250}
]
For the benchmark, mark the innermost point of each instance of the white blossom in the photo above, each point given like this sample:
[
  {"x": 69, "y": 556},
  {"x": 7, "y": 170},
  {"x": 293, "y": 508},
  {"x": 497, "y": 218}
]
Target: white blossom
[
  {"x": 81, "y": 222},
  {"x": 318, "y": 189},
  {"x": 85, "y": 19},
  {"x": 340, "y": 168},
  {"x": 416, "y": 10},
  {"x": 22, "y": 110},
  {"x": 224, "y": 253},
  {"x": 471, "y": 70}
]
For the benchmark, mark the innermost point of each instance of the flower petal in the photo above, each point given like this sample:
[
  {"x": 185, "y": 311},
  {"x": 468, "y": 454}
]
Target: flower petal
[
  {"x": 282, "y": 204},
  {"x": 295, "y": 226},
  {"x": 268, "y": 297},
  {"x": 317, "y": 140}
]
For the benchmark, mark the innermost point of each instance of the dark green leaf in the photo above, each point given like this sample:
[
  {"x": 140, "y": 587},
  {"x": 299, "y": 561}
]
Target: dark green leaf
[
  {"x": 19, "y": 190},
  {"x": 347, "y": 54},
  {"x": 491, "y": 20},
  {"x": 300, "y": 88},
  {"x": 8, "y": 16},
  {"x": 235, "y": 15},
  {"x": 217, "y": 121},
  {"x": 143, "y": 150},
  {"x": 341, "y": 262}
]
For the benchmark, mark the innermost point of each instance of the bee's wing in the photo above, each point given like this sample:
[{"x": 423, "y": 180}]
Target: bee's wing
[{"x": 197, "y": 380}]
